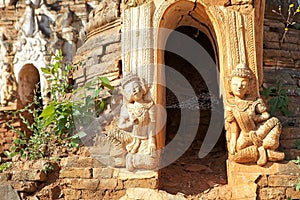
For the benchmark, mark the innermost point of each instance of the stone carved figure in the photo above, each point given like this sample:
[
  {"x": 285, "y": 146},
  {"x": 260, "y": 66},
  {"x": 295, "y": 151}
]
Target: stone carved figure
[
  {"x": 28, "y": 24},
  {"x": 135, "y": 129},
  {"x": 252, "y": 135},
  {"x": 106, "y": 12},
  {"x": 132, "y": 3},
  {"x": 7, "y": 84}
]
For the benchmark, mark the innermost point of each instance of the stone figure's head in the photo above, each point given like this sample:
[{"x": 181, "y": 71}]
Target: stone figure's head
[
  {"x": 240, "y": 78},
  {"x": 133, "y": 88}
]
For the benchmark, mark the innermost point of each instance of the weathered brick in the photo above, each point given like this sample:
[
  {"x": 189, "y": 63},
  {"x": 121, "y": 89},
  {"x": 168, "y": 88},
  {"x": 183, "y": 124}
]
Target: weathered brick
[
  {"x": 5, "y": 177},
  {"x": 86, "y": 184},
  {"x": 109, "y": 184},
  {"x": 75, "y": 173},
  {"x": 120, "y": 185},
  {"x": 271, "y": 45},
  {"x": 143, "y": 183},
  {"x": 107, "y": 172},
  {"x": 263, "y": 181},
  {"x": 87, "y": 194},
  {"x": 271, "y": 53},
  {"x": 29, "y": 175},
  {"x": 271, "y": 36},
  {"x": 77, "y": 161},
  {"x": 71, "y": 194},
  {"x": 290, "y": 133},
  {"x": 291, "y": 154},
  {"x": 271, "y": 193},
  {"x": 111, "y": 56},
  {"x": 114, "y": 47},
  {"x": 288, "y": 144},
  {"x": 282, "y": 180},
  {"x": 25, "y": 186},
  {"x": 292, "y": 193}
]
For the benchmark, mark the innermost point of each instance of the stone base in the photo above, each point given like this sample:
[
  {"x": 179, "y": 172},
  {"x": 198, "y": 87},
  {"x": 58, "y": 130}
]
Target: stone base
[
  {"x": 247, "y": 173},
  {"x": 243, "y": 178}
]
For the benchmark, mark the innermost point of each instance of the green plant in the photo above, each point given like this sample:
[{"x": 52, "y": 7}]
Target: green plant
[
  {"x": 47, "y": 167},
  {"x": 288, "y": 21},
  {"x": 298, "y": 144},
  {"x": 5, "y": 166},
  {"x": 277, "y": 99},
  {"x": 53, "y": 127},
  {"x": 297, "y": 161}
]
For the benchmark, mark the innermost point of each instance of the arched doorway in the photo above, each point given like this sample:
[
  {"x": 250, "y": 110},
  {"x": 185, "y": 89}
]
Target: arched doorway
[
  {"x": 29, "y": 91},
  {"x": 189, "y": 174},
  {"x": 28, "y": 85}
]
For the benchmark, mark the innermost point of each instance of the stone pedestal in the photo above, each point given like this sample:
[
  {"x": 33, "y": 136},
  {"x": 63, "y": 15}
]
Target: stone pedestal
[{"x": 246, "y": 180}]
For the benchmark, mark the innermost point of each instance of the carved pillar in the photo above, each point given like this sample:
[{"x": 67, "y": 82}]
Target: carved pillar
[
  {"x": 237, "y": 41},
  {"x": 137, "y": 54}
]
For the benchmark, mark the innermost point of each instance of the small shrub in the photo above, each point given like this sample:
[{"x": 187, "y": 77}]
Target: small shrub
[
  {"x": 297, "y": 161},
  {"x": 5, "y": 166},
  {"x": 54, "y": 126},
  {"x": 277, "y": 99}
]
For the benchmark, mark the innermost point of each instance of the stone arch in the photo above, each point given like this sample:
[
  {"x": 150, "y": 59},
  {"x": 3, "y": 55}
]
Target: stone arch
[
  {"x": 29, "y": 82},
  {"x": 169, "y": 16}
]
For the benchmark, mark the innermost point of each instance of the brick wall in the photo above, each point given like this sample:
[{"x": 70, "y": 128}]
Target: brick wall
[
  {"x": 100, "y": 56},
  {"x": 73, "y": 177},
  {"x": 281, "y": 61}
]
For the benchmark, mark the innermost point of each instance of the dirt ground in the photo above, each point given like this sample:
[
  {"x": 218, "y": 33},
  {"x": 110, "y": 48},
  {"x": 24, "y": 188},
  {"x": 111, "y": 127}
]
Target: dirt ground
[{"x": 191, "y": 175}]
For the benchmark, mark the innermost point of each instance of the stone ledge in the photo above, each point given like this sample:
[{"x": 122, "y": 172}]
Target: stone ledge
[
  {"x": 75, "y": 173},
  {"x": 243, "y": 173},
  {"x": 124, "y": 174}
]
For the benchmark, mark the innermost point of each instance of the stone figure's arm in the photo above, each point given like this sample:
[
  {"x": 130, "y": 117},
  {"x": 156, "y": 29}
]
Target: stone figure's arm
[
  {"x": 124, "y": 121},
  {"x": 152, "y": 131},
  {"x": 232, "y": 131},
  {"x": 261, "y": 111}
]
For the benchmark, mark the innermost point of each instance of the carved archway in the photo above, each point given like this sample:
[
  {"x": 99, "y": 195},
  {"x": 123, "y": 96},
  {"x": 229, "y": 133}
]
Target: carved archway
[
  {"x": 28, "y": 85},
  {"x": 173, "y": 16},
  {"x": 168, "y": 17}
]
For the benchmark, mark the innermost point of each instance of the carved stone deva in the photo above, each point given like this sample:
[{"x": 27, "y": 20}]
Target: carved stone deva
[
  {"x": 252, "y": 135},
  {"x": 134, "y": 131}
]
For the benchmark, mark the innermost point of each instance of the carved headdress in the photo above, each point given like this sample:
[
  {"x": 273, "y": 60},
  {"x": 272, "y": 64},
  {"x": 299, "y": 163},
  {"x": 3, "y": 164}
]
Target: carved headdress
[
  {"x": 242, "y": 70},
  {"x": 129, "y": 78}
]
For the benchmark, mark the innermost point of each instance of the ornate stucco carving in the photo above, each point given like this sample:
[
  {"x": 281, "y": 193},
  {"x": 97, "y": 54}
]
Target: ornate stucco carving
[
  {"x": 133, "y": 3},
  {"x": 106, "y": 12},
  {"x": 137, "y": 54},
  {"x": 28, "y": 24},
  {"x": 239, "y": 39},
  {"x": 30, "y": 47},
  {"x": 8, "y": 84},
  {"x": 134, "y": 131},
  {"x": 252, "y": 135},
  {"x": 7, "y": 80}
]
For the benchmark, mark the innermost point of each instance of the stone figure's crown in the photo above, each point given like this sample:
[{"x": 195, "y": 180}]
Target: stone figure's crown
[
  {"x": 242, "y": 70},
  {"x": 128, "y": 78}
]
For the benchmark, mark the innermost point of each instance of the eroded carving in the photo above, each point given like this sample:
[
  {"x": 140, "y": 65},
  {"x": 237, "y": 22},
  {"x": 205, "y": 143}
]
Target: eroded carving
[
  {"x": 107, "y": 11},
  {"x": 132, "y": 3},
  {"x": 252, "y": 135},
  {"x": 28, "y": 24},
  {"x": 7, "y": 83},
  {"x": 135, "y": 129}
]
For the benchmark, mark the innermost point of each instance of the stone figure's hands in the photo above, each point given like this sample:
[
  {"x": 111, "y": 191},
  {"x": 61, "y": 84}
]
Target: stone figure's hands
[
  {"x": 255, "y": 139},
  {"x": 232, "y": 146},
  {"x": 152, "y": 149}
]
